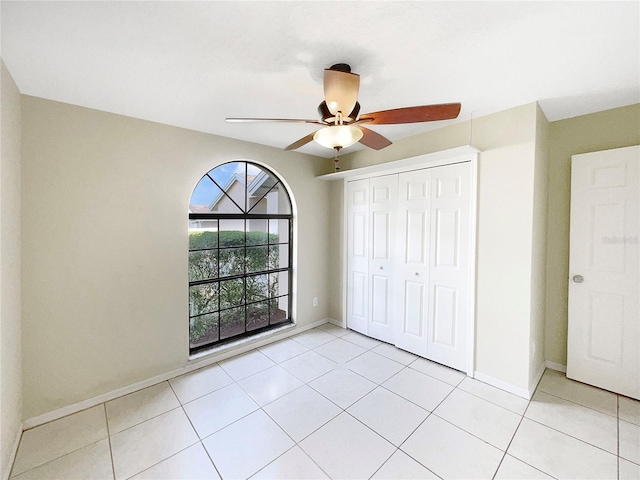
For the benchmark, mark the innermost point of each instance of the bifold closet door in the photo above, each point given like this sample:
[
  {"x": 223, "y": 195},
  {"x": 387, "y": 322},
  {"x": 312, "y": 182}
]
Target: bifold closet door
[
  {"x": 358, "y": 255},
  {"x": 433, "y": 263},
  {"x": 383, "y": 196},
  {"x": 412, "y": 269},
  {"x": 449, "y": 268},
  {"x": 372, "y": 206},
  {"x": 408, "y": 261}
]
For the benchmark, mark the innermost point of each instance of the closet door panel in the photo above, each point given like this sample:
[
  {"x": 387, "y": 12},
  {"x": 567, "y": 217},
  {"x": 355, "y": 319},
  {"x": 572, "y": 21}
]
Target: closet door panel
[
  {"x": 449, "y": 266},
  {"x": 383, "y": 194},
  {"x": 446, "y": 312},
  {"x": 358, "y": 255},
  {"x": 416, "y": 228},
  {"x": 380, "y": 292},
  {"x": 446, "y": 237},
  {"x": 412, "y": 267},
  {"x": 414, "y": 319}
]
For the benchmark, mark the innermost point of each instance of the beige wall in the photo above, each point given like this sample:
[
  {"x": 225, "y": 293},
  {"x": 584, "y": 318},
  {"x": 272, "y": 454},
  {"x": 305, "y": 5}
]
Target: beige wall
[
  {"x": 615, "y": 128},
  {"x": 505, "y": 231},
  {"x": 539, "y": 249},
  {"x": 104, "y": 207},
  {"x": 335, "y": 242},
  {"x": 10, "y": 322}
]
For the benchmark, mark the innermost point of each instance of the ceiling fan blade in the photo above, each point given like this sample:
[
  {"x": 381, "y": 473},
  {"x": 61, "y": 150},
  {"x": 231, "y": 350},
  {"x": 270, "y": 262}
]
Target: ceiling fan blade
[
  {"x": 303, "y": 141},
  {"x": 341, "y": 90},
  {"x": 282, "y": 120},
  {"x": 373, "y": 139},
  {"x": 424, "y": 113}
]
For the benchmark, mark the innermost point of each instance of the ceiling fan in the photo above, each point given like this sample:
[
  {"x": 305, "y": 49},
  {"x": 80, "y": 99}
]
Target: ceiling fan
[{"x": 341, "y": 123}]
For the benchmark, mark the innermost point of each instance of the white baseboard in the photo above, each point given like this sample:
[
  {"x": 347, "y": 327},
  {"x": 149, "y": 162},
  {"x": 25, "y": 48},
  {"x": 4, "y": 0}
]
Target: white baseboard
[
  {"x": 335, "y": 322},
  {"x": 521, "y": 392},
  {"x": 536, "y": 379},
  {"x": 14, "y": 452},
  {"x": 556, "y": 366},
  {"x": 507, "y": 387},
  {"x": 194, "y": 364}
]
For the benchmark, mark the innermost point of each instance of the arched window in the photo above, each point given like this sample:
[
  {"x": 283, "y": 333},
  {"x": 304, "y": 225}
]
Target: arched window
[{"x": 240, "y": 250}]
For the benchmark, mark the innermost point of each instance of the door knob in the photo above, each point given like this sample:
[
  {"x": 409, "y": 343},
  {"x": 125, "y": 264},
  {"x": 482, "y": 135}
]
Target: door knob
[
  {"x": 417, "y": 274},
  {"x": 578, "y": 278},
  {"x": 381, "y": 268}
]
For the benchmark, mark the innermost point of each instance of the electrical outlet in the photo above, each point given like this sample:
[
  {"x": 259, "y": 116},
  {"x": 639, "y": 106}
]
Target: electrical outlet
[{"x": 315, "y": 301}]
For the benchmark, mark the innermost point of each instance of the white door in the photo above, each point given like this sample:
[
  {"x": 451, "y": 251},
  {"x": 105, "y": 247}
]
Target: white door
[
  {"x": 383, "y": 193},
  {"x": 358, "y": 255},
  {"x": 450, "y": 236},
  {"x": 412, "y": 267},
  {"x": 604, "y": 320}
]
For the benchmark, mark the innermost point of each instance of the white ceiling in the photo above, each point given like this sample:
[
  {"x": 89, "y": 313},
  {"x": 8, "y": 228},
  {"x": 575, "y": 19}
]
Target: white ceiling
[{"x": 191, "y": 64}]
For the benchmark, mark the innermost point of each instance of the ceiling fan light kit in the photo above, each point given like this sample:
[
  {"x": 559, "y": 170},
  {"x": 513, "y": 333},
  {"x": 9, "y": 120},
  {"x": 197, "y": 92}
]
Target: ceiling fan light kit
[
  {"x": 339, "y": 114},
  {"x": 338, "y": 136}
]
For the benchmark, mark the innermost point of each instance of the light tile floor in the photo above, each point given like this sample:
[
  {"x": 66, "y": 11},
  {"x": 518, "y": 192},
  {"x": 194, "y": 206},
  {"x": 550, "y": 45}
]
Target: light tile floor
[{"x": 330, "y": 403}]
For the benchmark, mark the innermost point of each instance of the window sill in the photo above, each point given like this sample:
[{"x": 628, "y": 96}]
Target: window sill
[{"x": 255, "y": 341}]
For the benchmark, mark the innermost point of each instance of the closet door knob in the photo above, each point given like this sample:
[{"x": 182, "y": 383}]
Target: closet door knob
[
  {"x": 381, "y": 268},
  {"x": 417, "y": 274}
]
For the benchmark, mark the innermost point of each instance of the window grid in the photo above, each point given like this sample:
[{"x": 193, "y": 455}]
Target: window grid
[{"x": 271, "y": 302}]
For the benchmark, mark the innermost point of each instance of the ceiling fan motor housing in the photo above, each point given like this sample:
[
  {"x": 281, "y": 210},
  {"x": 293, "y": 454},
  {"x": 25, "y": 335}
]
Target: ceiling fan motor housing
[
  {"x": 329, "y": 117},
  {"x": 341, "y": 67}
]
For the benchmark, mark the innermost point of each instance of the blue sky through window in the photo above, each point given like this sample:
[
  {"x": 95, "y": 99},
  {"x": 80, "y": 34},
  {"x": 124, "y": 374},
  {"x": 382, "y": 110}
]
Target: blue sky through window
[{"x": 206, "y": 191}]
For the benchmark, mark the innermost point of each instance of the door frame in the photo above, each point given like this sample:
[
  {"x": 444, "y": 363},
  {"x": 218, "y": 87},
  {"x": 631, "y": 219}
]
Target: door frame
[{"x": 430, "y": 160}]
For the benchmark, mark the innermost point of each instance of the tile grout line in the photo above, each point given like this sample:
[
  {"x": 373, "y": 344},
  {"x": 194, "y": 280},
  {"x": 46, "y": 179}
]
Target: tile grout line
[
  {"x": 295, "y": 443},
  {"x": 12, "y": 477},
  {"x": 65, "y": 454},
  {"x": 106, "y": 421},
  {"x": 470, "y": 433},
  {"x": 262, "y": 372},
  {"x": 261, "y": 407},
  {"x": 15, "y": 455},
  {"x": 618, "y": 434},
  {"x": 147, "y": 419},
  {"x": 195, "y": 431},
  {"x": 436, "y": 378},
  {"x": 571, "y": 436},
  {"x": 522, "y": 417},
  {"x": 174, "y": 454},
  {"x": 327, "y": 398},
  {"x": 237, "y": 382},
  {"x": 421, "y": 423},
  {"x": 385, "y": 462},
  {"x": 204, "y": 394},
  {"x": 409, "y": 400},
  {"x": 576, "y": 403},
  {"x": 343, "y": 410},
  {"x": 511, "y": 441},
  {"x": 491, "y": 401},
  {"x": 229, "y": 424},
  {"x": 339, "y": 363},
  {"x": 289, "y": 358},
  {"x": 167, "y": 458}
]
